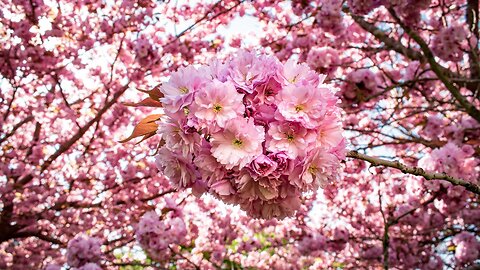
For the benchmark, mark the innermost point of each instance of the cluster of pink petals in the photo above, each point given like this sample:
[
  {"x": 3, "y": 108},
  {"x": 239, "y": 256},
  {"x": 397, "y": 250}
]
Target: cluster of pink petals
[
  {"x": 467, "y": 247},
  {"x": 449, "y": 44},
  {"x": 83, "y": 250},
  {"x": 408, "y": 10},
  {"x": 251, "y": 131},
  {"x": 323, "y": 59},
  {"x": 330, "y": 17},
  {"x": 159, "y": 235},
  {"x": 363, "y": 7},
  {"x": 360, "y": 85},
  {"x": 454, "y": 161},
  {"x": 87, "y": 266}
]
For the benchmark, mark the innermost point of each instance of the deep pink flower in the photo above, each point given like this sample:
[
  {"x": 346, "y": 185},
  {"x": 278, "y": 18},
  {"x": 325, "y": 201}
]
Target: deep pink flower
[{"x": 263, "y": 165}]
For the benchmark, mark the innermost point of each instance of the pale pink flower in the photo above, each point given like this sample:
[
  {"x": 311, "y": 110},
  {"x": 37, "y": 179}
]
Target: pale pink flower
[
  {"x": 305, "y": 104},
  {"x": 324, "y": 60},
  {"x": 177, "y": 139},
  {"x": 179, "y": 90},
  {"x": 248, "y": 70},
  {"x": 301, "y": 74},
  {"x": 290, "y": 137},
  {"x": 283, "y": 163},
  {"x": 263, "y": 165},
  {"x": 317, "y": 170},
  {"x": 249, "y": 188},
  {"x": 329, "y": 132},
  {"x": 217, "y": 103},
  {"x": 176, "y": 167},
  {"x": 238, "y": 144},
  {"x": 223, "y": 188},
  {"x": 82, "y": 250}
]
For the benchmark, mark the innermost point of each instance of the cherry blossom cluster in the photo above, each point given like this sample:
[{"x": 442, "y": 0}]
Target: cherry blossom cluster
[
  {"x": 251, "y": 131},
  {"x": 363, "y": 7},
  {"x": 330, "y": 17},
  {"x": 324, "y": 60},
  {"x": 467, "y": 247},
  {"x": 359, "y": 85},
  {"x": 408, "y": 10},
  {"x": 83, "y": 252},
  {"x": 454, "y": 160},
  {"x": 449, "y": 43},
  {"x": 159, "y": 235},
  {"x": 87, "y": 266}
]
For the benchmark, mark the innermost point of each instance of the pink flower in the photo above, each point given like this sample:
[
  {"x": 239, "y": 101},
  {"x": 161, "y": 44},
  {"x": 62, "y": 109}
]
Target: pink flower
[
  {"x": 324, "y": 60},
  {"x": 263, "y": 165},
  {"x": 300, "y": 74},
  {"x": 180, "y": 88},
  {"x": 317, "y": 170},
  {"x": 177, "y": 139},
  {"x": 238, "y": 144},
  {"x": 249, "y": 130},
  {"x": 223, "y": 188},
  {"x": 265, "y": 93},
  {"x": 248, "y": 70},
  {"x": 289, "y": 137},
  {"x": 329, "y": 132},
  {"x": 217, "y": 103},
  {"x": 155, "y": 235},
  {"x": 176, "y": 167},
  {"x": 283, "y": 163},
  {"x": 210, "y": 169},
  {"x": 249, "y": 188},
  {"x": 305, "y": 104},
  {"x": 82, "y": 250}
]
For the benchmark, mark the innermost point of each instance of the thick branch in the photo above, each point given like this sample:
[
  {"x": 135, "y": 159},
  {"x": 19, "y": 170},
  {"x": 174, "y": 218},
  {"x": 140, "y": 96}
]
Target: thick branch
[
  {"x": 375, "y": 161},
  {"x": 439, "y": 70}
]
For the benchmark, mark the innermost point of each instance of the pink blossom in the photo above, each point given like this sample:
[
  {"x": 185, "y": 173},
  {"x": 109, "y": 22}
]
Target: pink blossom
[
  {"x": 299, "y": 74},
  {"x": 323, "y": 59},
  {"x": 289, "y": 137},
  {"x": 263, "y": 165},
  {"x": 305, "y": 104},
  {"x": 317, "y": 170},
  {"x": 238, "y": 144},
  {"x": 217, "y": 103},
  {"x": 179, "y": 90},
  {"x": 176, "y": 167},
  {"x": 82, "y": 250}
]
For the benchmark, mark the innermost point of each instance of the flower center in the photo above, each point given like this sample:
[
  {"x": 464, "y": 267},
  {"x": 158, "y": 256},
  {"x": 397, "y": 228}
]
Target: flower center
[
  {"x": 290, "y": 137},
  {"x": 183, "y": 89},
  {"x": 312, "y": 169},
  {"x": 217, "y": 108},
  {"x": 298, "y": 108},
  {"x": 238, "y": 143}
]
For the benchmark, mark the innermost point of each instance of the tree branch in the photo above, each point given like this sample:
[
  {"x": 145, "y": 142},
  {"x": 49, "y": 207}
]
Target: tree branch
[
  {"x": 439, "y": 70},
  {"x": 375, "y": 161},
  {"x": 65, "y": 146}
]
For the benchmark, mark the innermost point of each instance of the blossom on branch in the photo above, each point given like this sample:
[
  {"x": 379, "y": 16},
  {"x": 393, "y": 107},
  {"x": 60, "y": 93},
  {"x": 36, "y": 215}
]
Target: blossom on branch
[{"x": 252, "y": 131}]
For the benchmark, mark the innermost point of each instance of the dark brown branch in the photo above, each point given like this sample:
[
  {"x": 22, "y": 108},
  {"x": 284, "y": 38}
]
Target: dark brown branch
[
  {"x": 66, "y": 145},
  {"x": 375, "y": 161},
  {"x": 17, "y": 126},
  {"x": 439, "y": 70}
]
